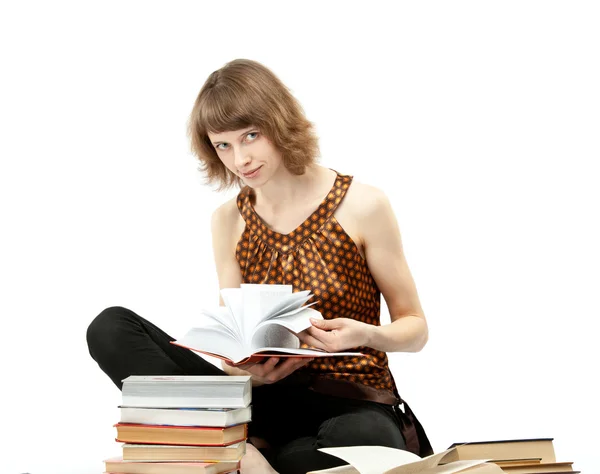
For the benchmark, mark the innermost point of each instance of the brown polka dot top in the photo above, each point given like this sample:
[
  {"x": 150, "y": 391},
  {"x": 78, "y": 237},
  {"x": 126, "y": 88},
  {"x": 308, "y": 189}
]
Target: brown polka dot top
[{"x": 319, "y": 256}]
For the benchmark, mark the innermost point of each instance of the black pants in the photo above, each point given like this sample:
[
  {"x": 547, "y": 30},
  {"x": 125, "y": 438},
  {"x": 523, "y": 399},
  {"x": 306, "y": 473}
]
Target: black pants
[{"x": 295, "y": 421}]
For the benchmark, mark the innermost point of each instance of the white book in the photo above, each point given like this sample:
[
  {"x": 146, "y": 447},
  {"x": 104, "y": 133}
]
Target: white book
[
  {"x": 218, "y": 417},
  {"x": 187, "y": 391},
  {"x": 257, "y": 321},
  {"x": 384, "y": 460}
]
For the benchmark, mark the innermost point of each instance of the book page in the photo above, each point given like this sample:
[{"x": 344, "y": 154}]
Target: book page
[
  {"x": 287, "y": 308},
  {"x": 471, "y": 466},
  {"x": 279, "y": 335},
  {"x": 220, "y": 317},
  {"x": 232, "y": 297},
  {"x": 420, "y": 467},
  {"x": 295, "y": 321},
  {"x": 257, "y": 301},
  {"x": 372, "y": 459},
  {"x": 347, "y": 469},
  {"x": 213, "y": 339},
  {"x": 292, "y": 311},
  {"x": 271, "y": 336},
  {"x": 300, "y": 352},
  {"x": 293, "y": 301},
  {"x": 424, "y": 464},
  {"x": 383, "y": 460}
]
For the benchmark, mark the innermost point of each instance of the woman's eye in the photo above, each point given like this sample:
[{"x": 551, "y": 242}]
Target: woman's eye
[
  {"x": 221, "y": 146},
  {"x": 252, "y": 135}
]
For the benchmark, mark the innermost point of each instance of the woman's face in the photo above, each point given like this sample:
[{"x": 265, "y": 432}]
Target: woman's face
[{"x": 248, "y": 154}]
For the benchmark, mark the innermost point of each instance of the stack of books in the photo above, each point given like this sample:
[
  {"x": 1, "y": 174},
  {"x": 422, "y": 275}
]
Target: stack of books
[
  {"x": 514, "y": 456},
  {"x": 182, "y": 425}
]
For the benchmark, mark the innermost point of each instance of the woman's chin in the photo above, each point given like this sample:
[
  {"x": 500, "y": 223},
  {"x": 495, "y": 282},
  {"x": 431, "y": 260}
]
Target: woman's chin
[{"x": 255, "y": 183}]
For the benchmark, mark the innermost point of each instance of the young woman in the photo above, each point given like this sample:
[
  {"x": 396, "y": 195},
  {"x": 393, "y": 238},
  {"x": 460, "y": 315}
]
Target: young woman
[{"x": 298, "y": 223}]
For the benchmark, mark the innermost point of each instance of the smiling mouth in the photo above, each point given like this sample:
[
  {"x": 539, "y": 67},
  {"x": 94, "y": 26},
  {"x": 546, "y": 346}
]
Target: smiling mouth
[{"x": 251, "y": 173}]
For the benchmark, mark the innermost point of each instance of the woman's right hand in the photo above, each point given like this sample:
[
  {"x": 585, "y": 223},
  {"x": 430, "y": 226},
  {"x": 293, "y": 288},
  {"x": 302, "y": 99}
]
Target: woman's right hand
[{"x": 270, "y": 371}]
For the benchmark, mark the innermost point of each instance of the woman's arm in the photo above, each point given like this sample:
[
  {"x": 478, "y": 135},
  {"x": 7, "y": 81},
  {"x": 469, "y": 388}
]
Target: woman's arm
[
  {"x": 380, "y": 238},
  {"x": 224, "y": 225},
  {"x": 408, "y": 331}
]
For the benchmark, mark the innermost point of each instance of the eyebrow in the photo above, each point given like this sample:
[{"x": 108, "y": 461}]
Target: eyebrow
[{"x": 248, "y": 130}]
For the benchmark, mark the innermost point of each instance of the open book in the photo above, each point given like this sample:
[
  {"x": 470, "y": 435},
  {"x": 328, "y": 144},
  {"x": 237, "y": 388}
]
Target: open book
[
  {"x": 383, "y": 460},
  {"x": 257, "y": 321}
]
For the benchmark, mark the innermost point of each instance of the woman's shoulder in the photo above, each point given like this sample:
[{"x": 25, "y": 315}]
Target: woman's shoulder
[
  {"x": 365, "y": 199},
  {"x": 226, "y": 215}
]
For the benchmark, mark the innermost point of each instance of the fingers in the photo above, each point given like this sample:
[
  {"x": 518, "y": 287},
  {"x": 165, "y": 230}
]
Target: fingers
[
  {"x": 317, "y": 338},
  {"x": 313, "y": 342},
  {"x": 257, "y": 368},
  {"x": 273, "y": 370},
  {"x": 270, "y": 364},
  {"x": 289, "y": 366},
  {"x": 247, "y": 366}
]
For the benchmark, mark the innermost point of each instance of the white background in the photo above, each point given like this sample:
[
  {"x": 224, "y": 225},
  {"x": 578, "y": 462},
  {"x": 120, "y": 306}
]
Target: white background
[{"x": 480, "y": 120}]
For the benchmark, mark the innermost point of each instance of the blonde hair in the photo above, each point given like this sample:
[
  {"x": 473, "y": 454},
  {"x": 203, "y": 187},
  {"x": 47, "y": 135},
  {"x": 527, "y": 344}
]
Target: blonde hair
[{"x": 245, "y": 93}]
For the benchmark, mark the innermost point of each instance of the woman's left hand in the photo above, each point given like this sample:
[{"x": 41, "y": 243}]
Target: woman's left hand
[{"x": 336, "y": 335}]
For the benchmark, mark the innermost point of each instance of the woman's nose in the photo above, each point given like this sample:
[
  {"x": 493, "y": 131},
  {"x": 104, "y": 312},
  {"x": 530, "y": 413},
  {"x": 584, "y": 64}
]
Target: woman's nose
[{"x": 241, "y": 159}]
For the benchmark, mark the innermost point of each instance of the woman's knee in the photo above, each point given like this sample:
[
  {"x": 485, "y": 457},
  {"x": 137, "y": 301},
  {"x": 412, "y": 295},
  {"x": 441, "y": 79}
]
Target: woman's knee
[
  {"x": 370, "y": 428},
  {"x": 104, "y": 331}
]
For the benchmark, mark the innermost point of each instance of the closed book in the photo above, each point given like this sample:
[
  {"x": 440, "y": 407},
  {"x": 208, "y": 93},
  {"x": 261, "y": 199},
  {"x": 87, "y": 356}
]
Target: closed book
[
  {"x": 542, "y": 468},
  {"x": 518, "y": 462},
  {"x": 511, "y": 449},
  {"x": 184, "y": 435},
  {"x": 118, "y": 466},
  {"x": 187, "y": 391},
  {"x": 186, "y": 416},
  {"x": 157, "y": 452}
]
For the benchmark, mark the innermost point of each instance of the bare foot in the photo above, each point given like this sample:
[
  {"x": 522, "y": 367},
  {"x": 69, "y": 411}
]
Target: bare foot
[{"x": 255, "y": 463}]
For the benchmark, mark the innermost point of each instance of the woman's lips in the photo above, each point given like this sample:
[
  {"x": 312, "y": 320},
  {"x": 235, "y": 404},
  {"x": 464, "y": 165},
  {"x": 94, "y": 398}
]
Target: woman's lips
[{"x": 253, "y": 173}]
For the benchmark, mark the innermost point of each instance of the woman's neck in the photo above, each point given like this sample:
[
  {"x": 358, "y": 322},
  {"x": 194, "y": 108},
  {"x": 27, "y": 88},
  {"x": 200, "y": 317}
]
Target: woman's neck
[{"x": 284, "y": 188}]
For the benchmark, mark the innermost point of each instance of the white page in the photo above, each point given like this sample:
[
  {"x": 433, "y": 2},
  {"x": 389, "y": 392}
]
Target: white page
[
  {"x": 423, "y": 464},
  {"x": 384, "y": 460},
  {"x": 372, "y": 459},
  {"x": 269, "y": 338},
  {"x": 295, "y": 300},
  {"x": 232, "y": 297},
  {"x": 213, "y": 339},
  {"x": 273, "y": 336},
  {"x": 296, "y": 321},
  {"x": 286, "y": 308},
  {"x": 216, "y": 319},
  {"x": 291, "y": 311},
  {"x": 257, "y": 300},
  {"x": 305, "y": 352},
  {"x": 456, "y": 466}
]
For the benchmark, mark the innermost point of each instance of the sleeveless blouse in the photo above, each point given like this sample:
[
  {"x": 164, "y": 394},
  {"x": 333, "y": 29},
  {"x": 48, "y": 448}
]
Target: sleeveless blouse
[{"x": 319, "y": 256}]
